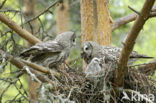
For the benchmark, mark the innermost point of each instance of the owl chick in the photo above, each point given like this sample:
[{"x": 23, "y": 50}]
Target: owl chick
[
  {"x": 112, "y": 54},
  {"x": 94, "y": 67},
  {"x": 52, "y": 53}
]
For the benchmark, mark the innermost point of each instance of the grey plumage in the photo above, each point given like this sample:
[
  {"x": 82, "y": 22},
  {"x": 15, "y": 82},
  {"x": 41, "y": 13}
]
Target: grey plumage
[
  {"x": 52, "y": 53},
  {"x": 94, "y": 67},
  {"x": 112, "y": 54}
]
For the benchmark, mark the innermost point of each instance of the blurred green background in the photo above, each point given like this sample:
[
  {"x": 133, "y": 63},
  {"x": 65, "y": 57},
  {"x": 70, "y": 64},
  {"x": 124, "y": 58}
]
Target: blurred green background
[{"x": 146, "y": 42}]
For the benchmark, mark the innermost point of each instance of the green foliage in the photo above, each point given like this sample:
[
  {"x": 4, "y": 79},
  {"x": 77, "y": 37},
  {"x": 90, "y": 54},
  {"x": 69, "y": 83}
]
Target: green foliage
[{"x": 146, "y": 42}]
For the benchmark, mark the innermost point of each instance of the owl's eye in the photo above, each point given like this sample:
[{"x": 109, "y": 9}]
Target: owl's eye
[
  {"x": 86, "y": 48},
  {"x": 73, "y": 40}
]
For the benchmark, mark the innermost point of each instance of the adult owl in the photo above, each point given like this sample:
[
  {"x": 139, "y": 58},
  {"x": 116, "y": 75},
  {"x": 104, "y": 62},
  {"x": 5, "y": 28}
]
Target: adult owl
[
  {"x": 111, "y": 54},
  {"x": 52, "y": 53}
]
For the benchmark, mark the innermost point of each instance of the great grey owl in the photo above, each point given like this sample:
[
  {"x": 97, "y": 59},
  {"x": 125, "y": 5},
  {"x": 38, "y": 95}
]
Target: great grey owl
[
  {"x": 94, "y": 67},
  {"x": 112, "y": 54},
  {"x": 52, "y": 53}
]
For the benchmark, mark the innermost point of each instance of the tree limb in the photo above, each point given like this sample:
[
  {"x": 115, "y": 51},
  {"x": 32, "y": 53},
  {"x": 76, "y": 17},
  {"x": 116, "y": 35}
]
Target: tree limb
[
  {"x": 153, "y": 14},
  {"x": 47, "y": 9},
  {"x": 20, "y": 65},
  {"x": 134, "y": 10},
  {"x": 21, "y": 32},
  {"x": 40, "y": 68},
  {"x": 123, "y": 20},
  {"x": 149, "y": 68},
  {"x": 2, "y": 4},
  {"x": 129, "y": 18},
  {"x": 130, "y": 41}
]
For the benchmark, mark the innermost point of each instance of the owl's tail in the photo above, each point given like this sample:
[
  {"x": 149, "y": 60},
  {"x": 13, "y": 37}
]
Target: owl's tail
[{"x": 141, "y": 56}]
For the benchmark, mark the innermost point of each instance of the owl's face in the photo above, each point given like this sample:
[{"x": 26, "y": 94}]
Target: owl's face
[
  {"x": 94, "y": 67},
  {"x": 73, "y": 39},
  {"x": 96, "y": 61},
  {"x": 87, "y": 50},
  {"x": 67, "y": 38}
]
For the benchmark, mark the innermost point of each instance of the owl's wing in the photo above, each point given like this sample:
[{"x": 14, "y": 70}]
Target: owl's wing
[{"x": 42, "y": 48}]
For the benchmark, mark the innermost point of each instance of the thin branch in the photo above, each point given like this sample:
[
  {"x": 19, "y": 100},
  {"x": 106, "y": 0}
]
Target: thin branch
[
  {"x": 123, "y": 20},
  {"x": 134, "y": 10},
  {"x": 21, "y": 32},
  {"x": 153, "y": 14},
  {"x": 2, "y": 4},
  {"x": 10, "y": 10},
  {"x": 129, "y": 18},
  {"x": 130, "y": 41},
  {"x": 20, "y": 65},
  {"x": 149, "y": 68},
  {"x": 40, "y": 68},
  {"x": 41, "y": 13}
]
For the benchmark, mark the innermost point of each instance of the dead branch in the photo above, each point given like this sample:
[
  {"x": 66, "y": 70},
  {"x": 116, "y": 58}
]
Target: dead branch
[
  {"x": 123, "y": 20},
  {"x": 149, "y": 68},
  {"x": 129, "y": 18},
  {"x": 2, "y": 4},
  {"x": 137, "y": 12},
  {"x": 41, "y": 13},
  {"x": 40, "y": 68},
  {"x": 10, "y": 10},
  {"x": 21, "y": 65},
  {"x": 130, "y": 41},
  {"x": 21, "y": 32},
  {"x": 37, "y": 67}
]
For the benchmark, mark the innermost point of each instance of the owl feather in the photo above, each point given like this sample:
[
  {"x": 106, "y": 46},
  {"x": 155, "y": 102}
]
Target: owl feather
[
  {"x": 93, "y": 49},
  {"x": 51, "y": 53}
]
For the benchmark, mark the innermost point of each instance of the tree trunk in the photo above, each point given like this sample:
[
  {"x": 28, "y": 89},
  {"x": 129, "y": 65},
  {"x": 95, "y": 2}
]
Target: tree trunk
[
  {"x": 95, "y": 22},
  {"x": 104, "y": 22},
  {"x": 87, "y": 25},
  {"x": 62, "y": 17},
  {"x": 30, "y": 12}
]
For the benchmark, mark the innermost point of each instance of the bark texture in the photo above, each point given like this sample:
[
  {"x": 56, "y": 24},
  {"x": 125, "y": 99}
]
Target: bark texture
[
  {"x": 87, "y": 25},
  {"x": 62, "y": 17},
  {"x": 95, "y": 21},
  {"x": 130, "y": 41},
  {"x": 21, "y": 32}
]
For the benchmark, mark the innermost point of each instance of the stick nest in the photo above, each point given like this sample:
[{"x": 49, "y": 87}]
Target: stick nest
[{"x": 73, "y": 87}]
